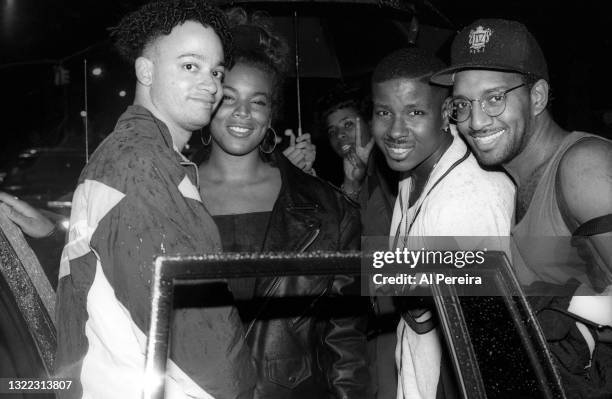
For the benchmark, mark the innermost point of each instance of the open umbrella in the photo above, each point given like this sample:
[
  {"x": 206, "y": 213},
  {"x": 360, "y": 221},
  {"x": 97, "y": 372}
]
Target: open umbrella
[{"x": 343, "y": 39}]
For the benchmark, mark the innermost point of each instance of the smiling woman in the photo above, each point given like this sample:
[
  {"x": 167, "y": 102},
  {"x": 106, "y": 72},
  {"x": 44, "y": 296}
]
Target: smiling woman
[
  {"x": 244, "y": 117},
  {"x": 261, "y": 202}
]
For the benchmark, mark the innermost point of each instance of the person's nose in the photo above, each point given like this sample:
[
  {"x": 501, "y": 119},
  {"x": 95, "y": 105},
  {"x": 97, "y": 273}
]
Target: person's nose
[
  {"x": 341, "y": 133},
  {"x": 478, "y": 118},
  {"x": 398, "y": 128},
  {"x": 208, "y": 83},
  {"x": 242, "y": 110}
]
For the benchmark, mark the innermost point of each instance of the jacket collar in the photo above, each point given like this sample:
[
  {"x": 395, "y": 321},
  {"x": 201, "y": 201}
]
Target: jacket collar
[
  {"x": 156, "y": 128},
  {"x": 296, "y": 186},
  {"x": 295, "y": 217},
  {"x": 453, "y": 153}
]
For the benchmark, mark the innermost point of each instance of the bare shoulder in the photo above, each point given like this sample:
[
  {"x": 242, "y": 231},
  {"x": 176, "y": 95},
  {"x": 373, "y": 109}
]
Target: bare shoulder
[
  {"x": 585, "y": 178},
  {"x": 591, "y": 150}
]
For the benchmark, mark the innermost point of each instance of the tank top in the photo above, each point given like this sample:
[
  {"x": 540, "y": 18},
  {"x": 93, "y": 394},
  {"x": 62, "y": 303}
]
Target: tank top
[
  {"x": 542, "y": 240},
  {"x": 244, "y": 232}
]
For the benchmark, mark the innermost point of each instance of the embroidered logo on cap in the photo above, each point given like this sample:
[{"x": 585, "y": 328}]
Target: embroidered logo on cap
[{"x": 479, "y": 37}]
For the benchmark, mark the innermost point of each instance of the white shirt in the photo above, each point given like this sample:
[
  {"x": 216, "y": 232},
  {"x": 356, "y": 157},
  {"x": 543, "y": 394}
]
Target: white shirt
[{"x": 469, "y": 202}]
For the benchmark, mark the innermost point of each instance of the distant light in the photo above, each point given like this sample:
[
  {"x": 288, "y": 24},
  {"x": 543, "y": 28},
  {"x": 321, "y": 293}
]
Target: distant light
[
  {"x": 97, "y": 71},
  {"x": 83, "y": 114},
  {"x": 59, "y": 204},
  {"x": 9, "y": 18},
  {"x": 122, "y": 93}
]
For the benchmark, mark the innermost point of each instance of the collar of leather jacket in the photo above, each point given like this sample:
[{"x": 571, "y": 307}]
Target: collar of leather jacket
[{"x": 297, "y": 212}]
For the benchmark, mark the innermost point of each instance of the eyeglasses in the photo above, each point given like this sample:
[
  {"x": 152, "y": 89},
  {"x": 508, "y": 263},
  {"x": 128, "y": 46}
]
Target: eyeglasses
[{"x": 492, "y": 104}]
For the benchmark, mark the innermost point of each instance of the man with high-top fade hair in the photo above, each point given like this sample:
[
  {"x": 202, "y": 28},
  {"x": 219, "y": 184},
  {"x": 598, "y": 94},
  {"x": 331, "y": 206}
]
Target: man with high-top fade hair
[
  {"x": 443, "y": 192},
  {"x": 137, "y": 199}
]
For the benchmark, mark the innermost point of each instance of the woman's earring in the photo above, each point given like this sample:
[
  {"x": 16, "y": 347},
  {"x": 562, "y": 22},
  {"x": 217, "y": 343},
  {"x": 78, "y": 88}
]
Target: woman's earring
[
  {"x": 205, "y": 132},
  {"x": 268, "y": 144}
]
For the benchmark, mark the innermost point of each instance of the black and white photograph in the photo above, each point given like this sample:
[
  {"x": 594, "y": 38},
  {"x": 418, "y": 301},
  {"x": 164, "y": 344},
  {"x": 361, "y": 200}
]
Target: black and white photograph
[{"x": 305, "y": 199}]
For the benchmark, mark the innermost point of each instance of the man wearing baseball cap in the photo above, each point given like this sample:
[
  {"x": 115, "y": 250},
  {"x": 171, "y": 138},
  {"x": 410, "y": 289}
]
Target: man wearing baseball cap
[{"x": 564, "y": 189}]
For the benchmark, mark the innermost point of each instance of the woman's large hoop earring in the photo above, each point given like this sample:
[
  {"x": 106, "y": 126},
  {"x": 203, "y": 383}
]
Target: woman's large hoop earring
[
  {"x": 203, "y": 133},
  {"x": 268, "y": 144}
]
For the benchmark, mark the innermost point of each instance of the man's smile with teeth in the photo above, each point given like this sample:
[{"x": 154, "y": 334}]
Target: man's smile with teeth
[
  {"x": 398, "y": 144},
  {"x": 484, "y": 140},
  {"x": 398, "y": 148}
]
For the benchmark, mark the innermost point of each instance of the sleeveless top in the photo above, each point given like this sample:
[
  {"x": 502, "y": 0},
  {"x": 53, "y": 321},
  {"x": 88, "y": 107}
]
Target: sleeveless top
[
  {"x": 244, "y": 232},
  {"x": 542, "y": 240}
]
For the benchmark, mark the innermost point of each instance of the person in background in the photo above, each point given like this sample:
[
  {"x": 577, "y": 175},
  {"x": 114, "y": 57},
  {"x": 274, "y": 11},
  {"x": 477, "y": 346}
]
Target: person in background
[
  {"x": 563, "y": 230},
  {"x": 138, "y": 198},
  {"x": 344, "y": 116},
  {"x": 443, "y": 192},
  {"x": 261, "y": 202}
]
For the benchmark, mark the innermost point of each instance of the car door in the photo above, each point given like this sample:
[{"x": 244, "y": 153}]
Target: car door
[{"x": 27, "y": 332}]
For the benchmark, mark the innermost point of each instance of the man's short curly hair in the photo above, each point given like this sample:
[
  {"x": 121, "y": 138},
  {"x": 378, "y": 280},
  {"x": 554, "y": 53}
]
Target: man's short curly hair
[
  {"x": 140, "y": 28},
  {"x": 407, "y": 63}
]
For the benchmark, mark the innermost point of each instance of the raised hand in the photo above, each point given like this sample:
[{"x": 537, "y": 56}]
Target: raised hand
[
  {"x": 356, "y": 160},
  {"x": 301, "y": 152}
]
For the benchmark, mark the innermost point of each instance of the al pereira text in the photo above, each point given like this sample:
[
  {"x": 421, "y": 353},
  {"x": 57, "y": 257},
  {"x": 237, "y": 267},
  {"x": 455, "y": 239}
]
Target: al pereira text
[{"x": 425, "y": 279}]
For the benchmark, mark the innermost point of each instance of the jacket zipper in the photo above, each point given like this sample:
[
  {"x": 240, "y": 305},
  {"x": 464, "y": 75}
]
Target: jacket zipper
[
  {"x": 313, "y": 236},
  {"x": 195, "y": 167},
  {"x": 312, "y": 305}
]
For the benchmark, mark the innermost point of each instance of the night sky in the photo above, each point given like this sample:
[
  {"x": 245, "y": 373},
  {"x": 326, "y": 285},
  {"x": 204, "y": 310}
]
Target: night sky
[{"x": 37, "y": 37}]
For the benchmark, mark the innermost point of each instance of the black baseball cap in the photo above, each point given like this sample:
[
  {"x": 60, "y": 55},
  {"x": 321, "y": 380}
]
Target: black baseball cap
[{"x": 494, "y": 44}]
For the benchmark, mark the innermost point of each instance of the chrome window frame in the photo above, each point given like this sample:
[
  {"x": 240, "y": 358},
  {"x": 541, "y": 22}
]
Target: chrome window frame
[{"x": 171, "y": 270}]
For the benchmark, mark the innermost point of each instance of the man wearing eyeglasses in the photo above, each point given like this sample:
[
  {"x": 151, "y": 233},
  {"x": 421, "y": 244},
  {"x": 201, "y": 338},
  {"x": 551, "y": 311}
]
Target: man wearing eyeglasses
[{"x": 564, "y": 188}]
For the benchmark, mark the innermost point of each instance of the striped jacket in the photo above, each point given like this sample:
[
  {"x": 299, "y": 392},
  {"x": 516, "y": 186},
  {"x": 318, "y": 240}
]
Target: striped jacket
[{"x": 136, "y": 199}]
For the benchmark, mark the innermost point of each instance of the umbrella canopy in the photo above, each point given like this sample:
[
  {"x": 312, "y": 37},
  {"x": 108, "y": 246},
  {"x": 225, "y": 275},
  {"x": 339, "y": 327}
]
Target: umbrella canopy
[
  {"x": 346, "y": 38},
  {"x": 339, "y": 40}
]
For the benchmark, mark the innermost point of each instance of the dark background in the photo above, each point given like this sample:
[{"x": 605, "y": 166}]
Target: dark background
[{"x": 41, "y": 108}]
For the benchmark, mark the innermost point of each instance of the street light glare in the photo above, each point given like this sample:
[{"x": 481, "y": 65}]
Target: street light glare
[{"x": 97, "y": 71}]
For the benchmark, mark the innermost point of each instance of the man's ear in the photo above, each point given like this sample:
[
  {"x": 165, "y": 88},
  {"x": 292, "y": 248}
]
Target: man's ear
[
  {"x": 445, "y": 112},
  {"x": 144, "y": 71},
  {"x": 539, "y": 96}
]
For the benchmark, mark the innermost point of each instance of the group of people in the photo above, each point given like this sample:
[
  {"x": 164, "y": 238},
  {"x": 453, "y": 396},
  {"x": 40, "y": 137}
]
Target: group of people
[{"x": 475, "y": 151}]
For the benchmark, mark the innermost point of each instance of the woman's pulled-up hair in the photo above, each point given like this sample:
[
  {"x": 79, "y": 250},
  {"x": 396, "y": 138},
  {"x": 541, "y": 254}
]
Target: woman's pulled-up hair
[{"x": 257, "y": 45}]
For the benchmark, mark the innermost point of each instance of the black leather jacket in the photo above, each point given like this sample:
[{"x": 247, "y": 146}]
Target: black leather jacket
[{"x": 301, "y": 349}]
